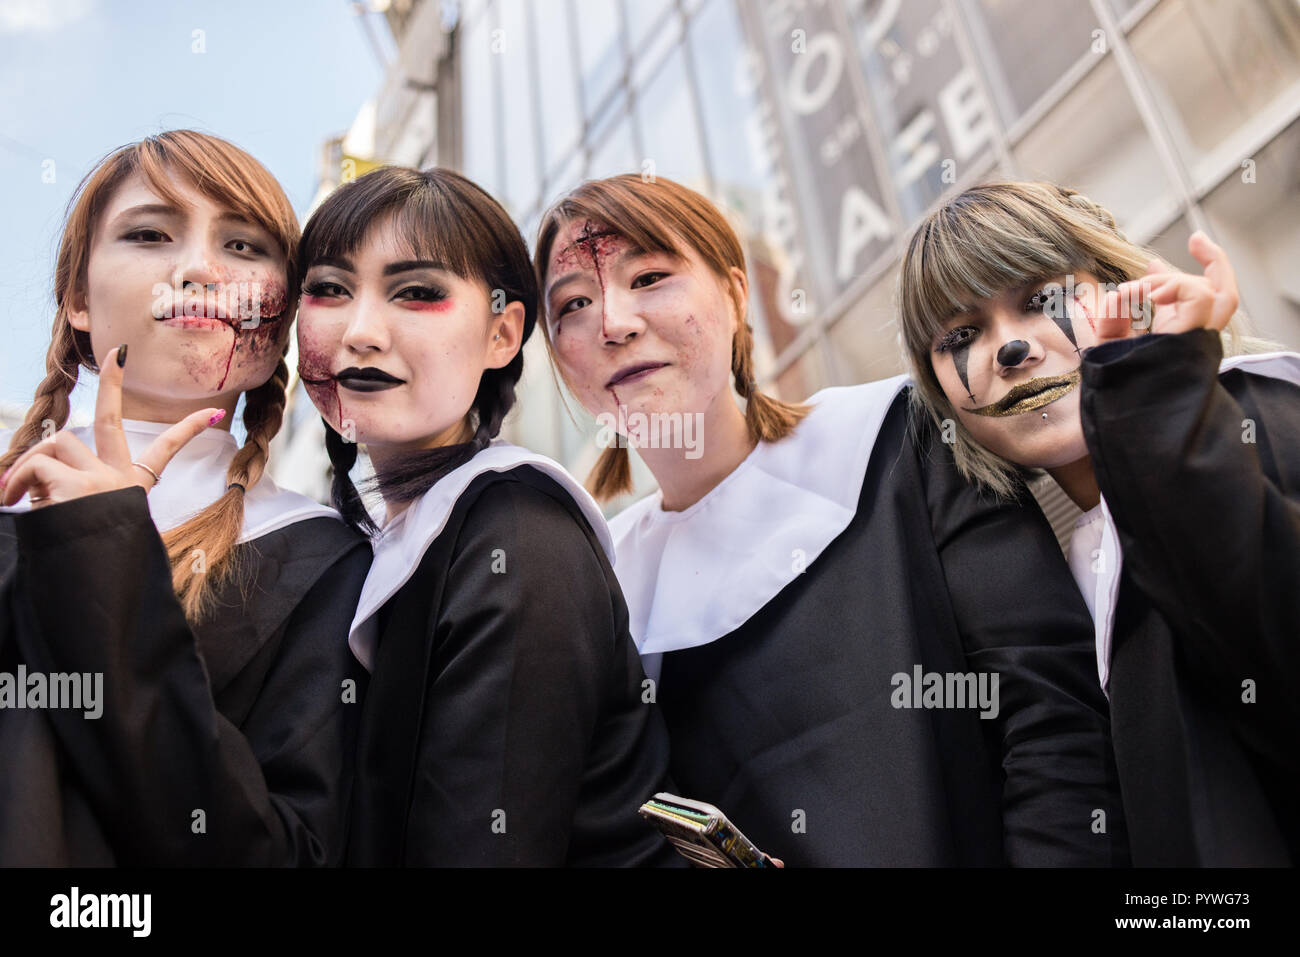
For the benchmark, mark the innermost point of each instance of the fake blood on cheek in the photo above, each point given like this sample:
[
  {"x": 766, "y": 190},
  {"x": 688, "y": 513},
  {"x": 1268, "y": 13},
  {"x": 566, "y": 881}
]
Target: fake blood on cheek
[
  {"x": 319, "y": 381},
  {"x": 255, "y": 312}
]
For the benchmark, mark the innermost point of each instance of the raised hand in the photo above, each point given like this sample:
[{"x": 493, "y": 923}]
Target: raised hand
[
  {"x": 63, "y": 468},
  {"x": 1179, "y": 301}
]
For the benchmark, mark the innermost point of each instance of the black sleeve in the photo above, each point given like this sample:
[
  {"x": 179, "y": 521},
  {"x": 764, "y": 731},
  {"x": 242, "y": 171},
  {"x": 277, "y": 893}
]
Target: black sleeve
[
  {"x": 98, "y": 598},
  {"x": 1201, "y": 473},
  {"x": 1021, "y": 617},
  {"x": 526, "y": 660}
]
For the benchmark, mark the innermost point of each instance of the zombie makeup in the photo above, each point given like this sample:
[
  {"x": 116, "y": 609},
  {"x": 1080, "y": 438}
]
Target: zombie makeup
[
  {"x": 593, "y": 248},
  {"x": 252, "y": 310}
]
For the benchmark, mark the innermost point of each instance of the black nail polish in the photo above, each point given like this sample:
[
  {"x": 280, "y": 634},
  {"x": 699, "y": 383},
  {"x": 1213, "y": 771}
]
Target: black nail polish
[{"x": 121, "y": 356}]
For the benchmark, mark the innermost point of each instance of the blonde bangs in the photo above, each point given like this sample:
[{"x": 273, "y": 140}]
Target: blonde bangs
[{"x": 974, "y": 249}]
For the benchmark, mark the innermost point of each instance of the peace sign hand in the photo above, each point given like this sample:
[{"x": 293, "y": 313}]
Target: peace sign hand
[{"x": 63, "y": 468}]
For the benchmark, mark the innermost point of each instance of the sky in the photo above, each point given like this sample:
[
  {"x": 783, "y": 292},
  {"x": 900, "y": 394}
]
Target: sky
[{"x": 79, "y": 78}]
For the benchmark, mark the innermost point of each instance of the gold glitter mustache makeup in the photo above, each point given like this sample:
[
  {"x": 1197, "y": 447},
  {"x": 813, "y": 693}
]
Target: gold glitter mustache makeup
[{"x": 1031, "y": 395}]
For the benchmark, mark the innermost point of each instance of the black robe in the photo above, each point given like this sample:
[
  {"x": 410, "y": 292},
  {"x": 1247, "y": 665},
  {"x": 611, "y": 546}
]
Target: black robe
[
  {"x": 1209, "y": 597},
  {"x": 787, "y": 723},
  {"x": 242, "y": 718},
  {"x": 506, "y": 723}
]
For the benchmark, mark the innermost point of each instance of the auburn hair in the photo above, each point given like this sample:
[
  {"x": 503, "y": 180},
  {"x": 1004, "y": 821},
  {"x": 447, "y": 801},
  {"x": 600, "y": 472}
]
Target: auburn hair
[
  {"x": 660, "y": 215},
  {"x": 995, "y": 237},
  {"x": 232, "y": 178},
  {"x": 438, "y": 215}
]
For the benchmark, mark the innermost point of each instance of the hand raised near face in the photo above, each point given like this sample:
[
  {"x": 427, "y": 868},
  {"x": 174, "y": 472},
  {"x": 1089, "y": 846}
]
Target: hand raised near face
[
  {"x": 63, "y": 467},
  {"x": 1179, "y": 301}
]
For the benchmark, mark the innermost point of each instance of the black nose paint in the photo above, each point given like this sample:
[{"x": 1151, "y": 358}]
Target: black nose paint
[{"x": 1013, "y": 353}]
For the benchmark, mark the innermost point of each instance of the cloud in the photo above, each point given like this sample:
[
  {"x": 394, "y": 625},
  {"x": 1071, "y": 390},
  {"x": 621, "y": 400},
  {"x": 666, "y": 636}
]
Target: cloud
[{"x": 33, "y": 16}]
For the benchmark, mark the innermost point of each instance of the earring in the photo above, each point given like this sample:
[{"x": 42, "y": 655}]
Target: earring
[{"x": 497, "y": 336}]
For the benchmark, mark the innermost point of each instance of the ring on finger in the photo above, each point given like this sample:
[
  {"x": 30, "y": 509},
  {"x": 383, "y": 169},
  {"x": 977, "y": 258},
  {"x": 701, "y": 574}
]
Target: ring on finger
[{"x": 157, "y": 479}]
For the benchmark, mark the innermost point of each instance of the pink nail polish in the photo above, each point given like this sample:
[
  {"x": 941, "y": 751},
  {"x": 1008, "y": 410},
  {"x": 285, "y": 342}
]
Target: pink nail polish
[{"x": 217, "y": 418}]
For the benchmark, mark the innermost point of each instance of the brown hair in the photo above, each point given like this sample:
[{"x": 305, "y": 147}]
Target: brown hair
[
  {"x": 990, "y": 238},
  {"x": 661, "y": 215},
  {"x": 229, "y": 176}
]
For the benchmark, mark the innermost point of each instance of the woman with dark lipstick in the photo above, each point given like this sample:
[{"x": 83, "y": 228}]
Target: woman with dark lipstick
[
  {"x": 505, "y": 722},
  {"x": 794, "y": 586},
  {"x": 1016, "y": 302},
  {"x": 154, "y": 551}
]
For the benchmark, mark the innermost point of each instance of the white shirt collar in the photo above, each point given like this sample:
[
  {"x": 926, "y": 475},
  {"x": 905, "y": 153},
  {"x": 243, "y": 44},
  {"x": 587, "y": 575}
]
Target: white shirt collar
[
  {"x": 401, "y": 545},
  {"x": 196, "y": 477},
  {"x": 693, "y": 576}
]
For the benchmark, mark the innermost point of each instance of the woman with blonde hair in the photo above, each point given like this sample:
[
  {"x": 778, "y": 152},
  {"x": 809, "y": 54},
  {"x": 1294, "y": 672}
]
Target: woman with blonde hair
[
  {"x": 203, "y": 610},
  {"x": 836, "y": 668},
  {"x": 1043, "y": 339}
]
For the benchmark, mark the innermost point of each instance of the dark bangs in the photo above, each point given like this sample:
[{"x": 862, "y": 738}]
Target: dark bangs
[{"x": 437, "y": 215}]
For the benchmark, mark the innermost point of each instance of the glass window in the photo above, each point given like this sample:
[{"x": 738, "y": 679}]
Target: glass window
[
  {"x": 750, "y": 180},
  {"x": 601, "y": 48},
  {"x": 1254, "y": 215},
  {"x": 643, "y": 16},
  {"x": 650, "y": 55},
  {"x": 615, "y": 153},
  {"x": 669, "y": 132},
  {"x": 926, "y": 100},
  {"x": 1121, "y": 7},
  {"x": 1214, "y": 66},
  {"x": 1033, "y": 43},
  {"x": 557, "y": 78},
  {"x": 864, "y": 342},
  {"x": 1104, "y": 153},
  {"x": 479, "y": 105},
  {"x": 520, "y": 148},
  {"x": 805, "y": 375},
  {"x": 567, "y": 176},
  {"x": 830, "y": 154},
  {"x": 1171, "y": 246}
]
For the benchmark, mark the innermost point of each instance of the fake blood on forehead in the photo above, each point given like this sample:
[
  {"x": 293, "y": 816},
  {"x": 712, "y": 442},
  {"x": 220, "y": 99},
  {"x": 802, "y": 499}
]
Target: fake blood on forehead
[{"x": 593, "y": 246}]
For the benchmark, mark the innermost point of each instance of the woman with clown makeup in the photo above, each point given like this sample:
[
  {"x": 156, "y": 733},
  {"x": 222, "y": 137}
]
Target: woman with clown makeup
[{"x": 1044, "y": 339}]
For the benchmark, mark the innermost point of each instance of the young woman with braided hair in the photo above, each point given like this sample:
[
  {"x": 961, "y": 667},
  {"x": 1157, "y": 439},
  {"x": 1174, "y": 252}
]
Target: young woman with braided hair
[
  {"x": 1019, "y": 311},
  {"x": 804, "y": 569},
  {"x": 154, "y": 555},
  {"x": 504, "y": 724}
]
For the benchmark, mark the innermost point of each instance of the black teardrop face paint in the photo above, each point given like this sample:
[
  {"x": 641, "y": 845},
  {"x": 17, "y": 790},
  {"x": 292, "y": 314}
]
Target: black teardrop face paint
[
  {"x": 1065, "y": 323},
  {"x": 960, "y": 359}
]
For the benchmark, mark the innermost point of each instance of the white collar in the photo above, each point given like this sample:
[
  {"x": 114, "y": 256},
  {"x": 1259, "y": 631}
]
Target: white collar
[
  {"x": 401, "y": 545},
  {"x": 196, "y": 477},
  {"x": 1277, "y": 365},
  {"x": 693, "y": 576}
]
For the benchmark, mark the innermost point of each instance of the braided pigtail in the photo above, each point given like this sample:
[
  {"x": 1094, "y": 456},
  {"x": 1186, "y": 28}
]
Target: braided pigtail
[
  {"x": 203, "y": 550},
  {"x": 768, "y": 419},
  {"x": 51, "y": 405}
]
